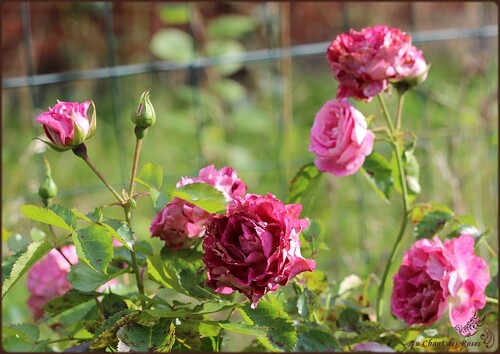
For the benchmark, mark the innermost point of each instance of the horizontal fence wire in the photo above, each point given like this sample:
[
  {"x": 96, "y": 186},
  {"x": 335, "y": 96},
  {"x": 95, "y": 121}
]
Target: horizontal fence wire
[{"x": 248, "y": 57}]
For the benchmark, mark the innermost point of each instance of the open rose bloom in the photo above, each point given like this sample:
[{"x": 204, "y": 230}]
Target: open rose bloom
[
  {"x": 255, "y": 247},
  {"x": 67, "y": 125},
  {"x": 180, "y": 223},
  {"x": 365, "y": 62},
  {"x": 340, "y": 138},
  {"x": 437, "y": 277}
]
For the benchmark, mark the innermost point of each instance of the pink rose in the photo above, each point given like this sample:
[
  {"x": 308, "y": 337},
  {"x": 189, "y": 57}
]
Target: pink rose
[
  {"x": 180, "y": 223},
  {"x": 47, "y": 278},
  {"x": 67, "y": 125},
  {"x": 364, "y": 62},
  {"x": 436, "y": 277},
  {"x": 255, "y": 247},
  {"x": 372, "y": 347},
  {"x": 340, "y": 138}
]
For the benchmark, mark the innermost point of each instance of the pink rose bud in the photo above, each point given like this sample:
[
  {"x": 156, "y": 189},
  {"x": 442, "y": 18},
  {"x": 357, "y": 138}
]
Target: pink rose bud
[
  {"x": 436, "y": 277},
  {"x": 364, "y": 62},
  {"x": 340, "y": 138},
  {"x": 66, "y": 125},
  {"x": 180, "y": 223},
  {"x": 255, "y": 247}
]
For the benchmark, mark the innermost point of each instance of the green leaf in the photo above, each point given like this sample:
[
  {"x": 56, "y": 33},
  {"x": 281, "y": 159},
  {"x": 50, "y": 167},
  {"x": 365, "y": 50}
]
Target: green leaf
[
  {"x": 121, "y": 231},
  {"x": 202, "y": 195},
  {"x": 67, "y": 215},
  {"x": 94, "y": 246},
  {"x": 229, "y": 52},
  {"x": 174, "y": 14},
  {"x": 152, "y": 175},
  {"x": 231, "y": 26},
  {"x": 307, "y": 303},
  {"x": 71, "y": 319},
  {"x": 304, "y": 184},
  {"x": 163, "y": 273},
  {"x": 313, "y": 236},
  {"x": 158, "y": 338},
  {"x": 431, "y": 223},
  {"x": 173, "y": 45},
  {"x": 112, "y": 303},
  {"x": 69, "y": 300},
  {"x": 412, "y": 170},
  {"x": 26, "y": 332},
  {"x": 34, "y": 252},
  {"x": 45, "y": 216},
  {"x": 316, "y": 339},
  {"x": 282, "y": 335},
  {"x": 106, "y": 334},
  {"x": 229, "y": 90},
  {"x": 378, "y": 172},
  {"x": 244, "y": 328},
  {"x": 84, "y": 278}
]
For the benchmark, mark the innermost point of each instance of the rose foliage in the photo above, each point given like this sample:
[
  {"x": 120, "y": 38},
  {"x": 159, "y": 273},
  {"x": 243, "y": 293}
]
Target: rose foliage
[{"x": 220, "y": 262}]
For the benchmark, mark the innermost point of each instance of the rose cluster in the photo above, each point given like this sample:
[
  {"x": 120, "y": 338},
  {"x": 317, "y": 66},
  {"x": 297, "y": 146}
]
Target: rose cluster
[
  {"x": 180, "y": 223},
  {"x": 435, "y": 277},
  {"x": 365, "y": 62},
  {"x": 253, "y": 248}
]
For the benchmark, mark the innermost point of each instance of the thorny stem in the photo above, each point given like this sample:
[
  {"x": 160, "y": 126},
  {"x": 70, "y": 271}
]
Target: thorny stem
[{"x": 393, "y": 136}]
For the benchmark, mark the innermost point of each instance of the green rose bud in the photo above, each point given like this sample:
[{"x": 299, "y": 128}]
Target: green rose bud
[
  {"x": 144, "y": 115},
  {"x": 48, "y": 188}
]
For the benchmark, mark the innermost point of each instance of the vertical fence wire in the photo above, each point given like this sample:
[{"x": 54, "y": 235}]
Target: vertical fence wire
[
  {"x": 117, "y": 118},
  {"x": 27, "y": 47}
]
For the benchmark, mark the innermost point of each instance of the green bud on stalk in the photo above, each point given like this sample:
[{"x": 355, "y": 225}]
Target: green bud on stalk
[
  {"x": 144, "y": 115},
  {"x": 48, "y": 188}
]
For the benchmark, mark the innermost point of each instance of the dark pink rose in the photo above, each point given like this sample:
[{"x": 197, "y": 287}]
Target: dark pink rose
[
  {"x": 340, "y": 138},
  {"x": 67, "y": 125},
  {"x": 364, "y": 62},
  {"x": 436, "y": 277},
  {"x": 180, "y": 223},
  {"x": 47, "y": 278},
  {"x": 255, "y": 247}
]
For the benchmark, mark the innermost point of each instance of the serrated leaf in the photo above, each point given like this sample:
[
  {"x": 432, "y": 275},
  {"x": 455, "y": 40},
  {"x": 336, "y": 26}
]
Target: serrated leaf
[
  {"x": 163, "y": 273},
  {"x": 158, "y": 338},
  {"x": 70, "y": 319},
  {"x": 231, "y": 26},
  {"x": 172, "y": 44},
  {"x": 121, "y": 231},
  {"x": 203, "y": 196},
  {"x": 70, "y": 299},
  {"x": 319, "y": 339},
  {"x": 45, "y": 216},
  {"x": 84, "y": 278},
  {"x": 106, "y": 334},
  {"x": 67, "y": 215},
  {"x": 151, "y": 175},
  {"x": 34, "y": 252},
  {"x": 378, "y": 172},
  {"x": 431, "y": 223},
  {"x": 304, "y": 184},
  {"x": 282, "y": 335},
  {"x": 94, "y": 246},
  {"x": 112, "y": 303}
]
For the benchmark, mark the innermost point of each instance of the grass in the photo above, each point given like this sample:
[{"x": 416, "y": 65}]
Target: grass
[{"x": 453, "y": 114}]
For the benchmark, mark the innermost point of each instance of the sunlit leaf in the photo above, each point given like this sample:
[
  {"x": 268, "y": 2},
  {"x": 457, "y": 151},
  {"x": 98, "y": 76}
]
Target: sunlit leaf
[
  {"x": 228, "y": 51},
  {"x": 45, "y": 216},
  {"x": 94, "y": 246},
  {"x": 174, "y": 14},
  {"x": 202, "y": 195},
  {"x": 152, "y": 175},
  {"x": 34, "y": 252},
  {"x": 304, "y": 184},
  {"x": 121, "y": 231},
  {"x": 231, "y": 26},
  {"x": 378, "y": 172}
]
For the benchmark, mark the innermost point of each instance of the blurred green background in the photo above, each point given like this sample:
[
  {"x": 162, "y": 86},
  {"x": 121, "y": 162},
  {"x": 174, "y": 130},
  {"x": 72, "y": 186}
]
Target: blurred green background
[{"x": 253, "y": 116}]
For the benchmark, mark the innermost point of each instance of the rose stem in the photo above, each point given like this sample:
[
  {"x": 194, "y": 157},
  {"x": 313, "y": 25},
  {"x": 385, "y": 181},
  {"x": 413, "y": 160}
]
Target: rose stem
[{"x": 393, "y": 136}]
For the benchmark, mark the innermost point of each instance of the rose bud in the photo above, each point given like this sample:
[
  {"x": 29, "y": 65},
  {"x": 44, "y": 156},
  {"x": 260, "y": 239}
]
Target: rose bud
[
  {"x": 48, "y": 188},
  {"x": 144, "y": 115},
  {"x": 67, "y": 125}
]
